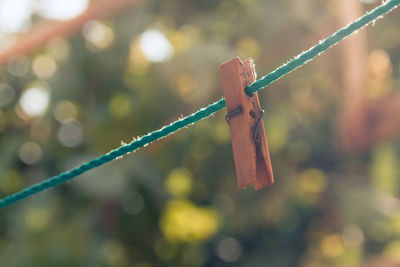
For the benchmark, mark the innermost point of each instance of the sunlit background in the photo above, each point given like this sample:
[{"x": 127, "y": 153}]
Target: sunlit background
[{"x": 106, "y": 75}]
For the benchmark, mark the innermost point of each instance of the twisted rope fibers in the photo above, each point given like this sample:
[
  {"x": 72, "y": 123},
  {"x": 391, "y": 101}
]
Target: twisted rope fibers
[{"x": 205, "y": 112}]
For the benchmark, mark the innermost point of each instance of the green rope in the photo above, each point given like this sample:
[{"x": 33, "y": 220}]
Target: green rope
[
  {"x": 204, "y": 112},
  {"x": 114, "y": 154},
  {"x": 322, "y": 46}
]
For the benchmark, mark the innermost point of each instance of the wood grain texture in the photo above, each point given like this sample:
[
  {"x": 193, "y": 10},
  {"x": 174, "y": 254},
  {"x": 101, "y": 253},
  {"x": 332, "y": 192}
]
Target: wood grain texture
[
  {"x": 264, "y": 175},
  {"x": 252, "y": 161}
]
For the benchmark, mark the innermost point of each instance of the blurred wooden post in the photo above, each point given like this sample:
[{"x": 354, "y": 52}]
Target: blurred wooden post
[
  {"x": 362, "y": 122},
  {"x": 352, "y": 115},
  {"x": 44, "y": 31}
]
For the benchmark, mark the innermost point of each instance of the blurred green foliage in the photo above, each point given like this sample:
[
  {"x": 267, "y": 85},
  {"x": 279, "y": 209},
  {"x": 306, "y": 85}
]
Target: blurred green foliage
[{"x": 175, "y": 202}]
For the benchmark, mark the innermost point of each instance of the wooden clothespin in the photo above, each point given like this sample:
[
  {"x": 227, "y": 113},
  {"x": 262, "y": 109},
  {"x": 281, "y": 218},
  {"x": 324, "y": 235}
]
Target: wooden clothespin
[{"x": 249, "y": 142}]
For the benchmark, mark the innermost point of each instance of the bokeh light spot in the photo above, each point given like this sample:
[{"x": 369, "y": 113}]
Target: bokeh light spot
[
  {"x": 183, "y": 221},
  {"x": 65, "y": 111},
  {"x": 30, "y": 153},
  {"x": 61, "y": 9},
  {"x": 98, "y": 35},
  {"x": 70, "y": 133},
  {"x": 179, "y": 182},
  {"x": 44, "y": 66},
  {"x": 332, "y": 246},
  {"x": 229, "y": 249},
  {"x": 353, "y": 236},
  {"x": 59, "y": 48},
  {"x": 312, "y": 181},
  {"x": 379, "y": 63},
  {"x": 120, "y": 105},
  {"x": 14, "y": 15},
  {"x": 155, "y": 46},
  {"x": 34, "y": 101}
]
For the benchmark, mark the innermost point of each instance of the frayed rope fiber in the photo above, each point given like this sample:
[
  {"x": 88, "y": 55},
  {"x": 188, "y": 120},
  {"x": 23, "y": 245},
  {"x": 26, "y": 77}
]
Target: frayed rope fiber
[{"x": 293, "y": 64}]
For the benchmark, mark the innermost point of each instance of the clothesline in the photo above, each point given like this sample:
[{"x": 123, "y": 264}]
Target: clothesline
[{"x": 205, "y": 112}]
